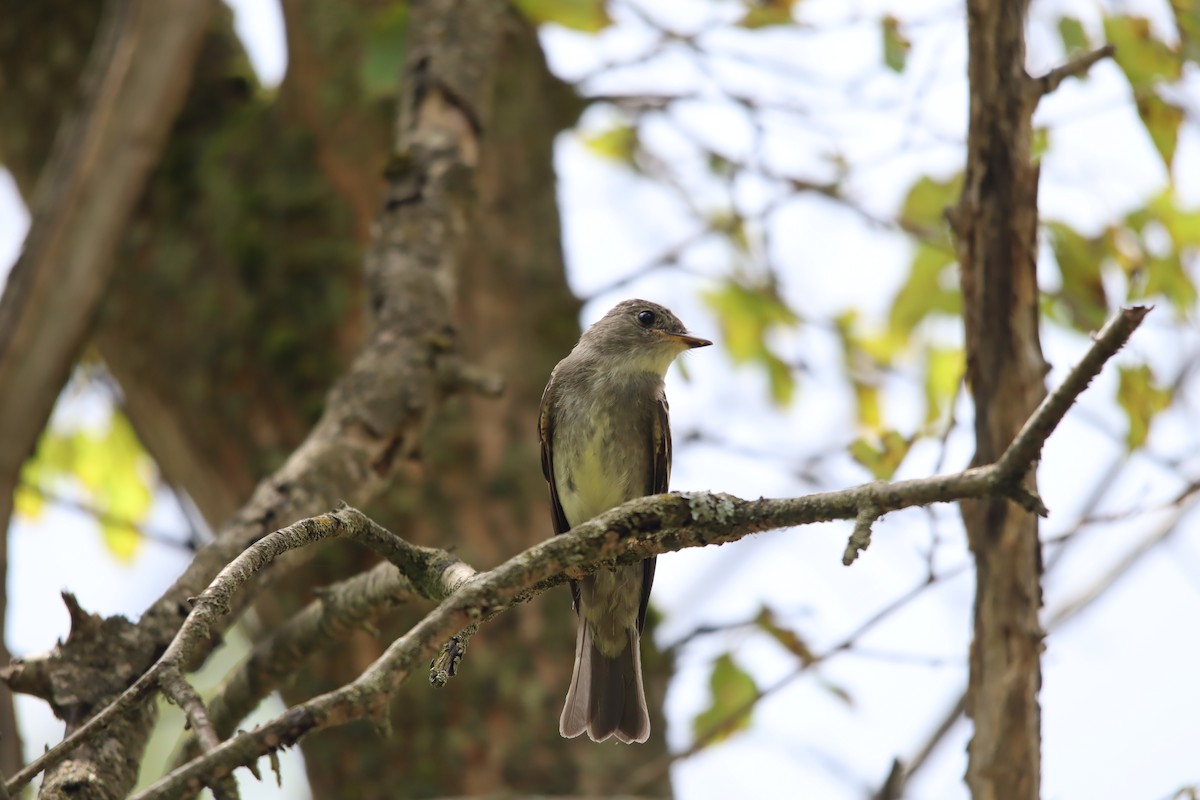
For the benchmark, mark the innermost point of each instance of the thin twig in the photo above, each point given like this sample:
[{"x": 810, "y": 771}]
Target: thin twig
[
  {"x": 643, "y": 527},
  {"x": 176, "y": 689},
  {"x": 1074, "y": 68}
]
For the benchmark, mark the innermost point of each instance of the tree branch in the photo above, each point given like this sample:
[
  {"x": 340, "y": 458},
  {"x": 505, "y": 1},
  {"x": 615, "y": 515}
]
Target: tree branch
[
  {"x": 641, "y": 528},
  {"x": 377, "y": 413},
  {"x": 1064, "y": 614},
  {"x": 177, "y": 690},
  {"x": 1074, "y": 68},
  {"x": 135, "y": 80},
  {"x": 340, "y": 609},
  {"x": 1027, "y": 447}
]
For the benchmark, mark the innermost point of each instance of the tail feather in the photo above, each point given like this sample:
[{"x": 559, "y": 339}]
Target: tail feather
[
  {"x": 606, "y": 697},
  {"x": 574, "y": 717}
]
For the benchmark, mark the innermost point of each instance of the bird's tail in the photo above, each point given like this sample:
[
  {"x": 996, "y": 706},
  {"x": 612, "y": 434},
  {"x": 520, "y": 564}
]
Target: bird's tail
[{"x": 606, "y": 697}]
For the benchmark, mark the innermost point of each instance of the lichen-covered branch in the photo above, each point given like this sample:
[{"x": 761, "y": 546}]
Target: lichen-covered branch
[
  {"x": 376, "y": 414},
  {"x": 339, "y": 610},
  {"x": 137, "y": 75},
  {"x": 643, "y": 527}
]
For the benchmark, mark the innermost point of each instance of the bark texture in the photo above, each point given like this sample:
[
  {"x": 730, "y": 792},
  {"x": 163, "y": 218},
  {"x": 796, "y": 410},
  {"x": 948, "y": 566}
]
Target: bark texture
[
  {"x": 996, "y": 226},
  {"x": 238, "y": 299},
  {"x": 138, "y": 73}
]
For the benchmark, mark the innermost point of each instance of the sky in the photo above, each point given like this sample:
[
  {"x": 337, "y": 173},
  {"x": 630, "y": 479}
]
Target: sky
[{"x": 1115, "y": 678}]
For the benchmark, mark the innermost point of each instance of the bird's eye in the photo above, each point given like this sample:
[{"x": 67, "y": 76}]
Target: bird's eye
[{"x": 645, "y": 318}]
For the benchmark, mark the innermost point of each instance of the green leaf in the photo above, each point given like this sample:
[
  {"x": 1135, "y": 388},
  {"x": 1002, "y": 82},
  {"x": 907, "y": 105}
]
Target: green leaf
[
  {"x": 28, "y": 503},
  {"x": 1074, "y": 39},
  {"x": 112, "y": 468},
  {"x": 764, "y": 13},
  {"x": 1151, "y": 271},
  {"x": 861, "y": 357},
  {"x": 1187, "y": 21},
  {"x": 733, "y": 696},
  {"x": 1144, "y": 59},
  {"x": 944, "y": 369},
  {"x": 384, "y": 51},
  {"x": 618, "y": 143},
  {"x": 589, "y": 16},
  {"x": 1183, "y": 225},
  {"x": 1079, "y": 258},
  {"x": 1040, "y": 144},
  {"x": 882, "y": 456},
  {"x": 747, "y": 314},
  {"x": 1162, "y": 121},
  {"x": 1166, "y": 276},
  {"x": 790, "y": 640},
  {"x": 1141, "y": 400},
  {"x": 931, "y": 287},
  {"x": 895, "y": 44},
  {"x": 925, "y": 206}
]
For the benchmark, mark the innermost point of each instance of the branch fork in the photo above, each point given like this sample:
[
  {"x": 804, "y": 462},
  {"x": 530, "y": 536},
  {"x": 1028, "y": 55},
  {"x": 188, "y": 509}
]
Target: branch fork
[{"x": 643, "y": 527}]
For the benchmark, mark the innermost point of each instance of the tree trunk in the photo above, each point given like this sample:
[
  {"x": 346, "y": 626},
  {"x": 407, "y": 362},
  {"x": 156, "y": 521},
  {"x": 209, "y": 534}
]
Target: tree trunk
[
  {"x": 996, "y": 226},
  {"x": 237, "y": 300}
]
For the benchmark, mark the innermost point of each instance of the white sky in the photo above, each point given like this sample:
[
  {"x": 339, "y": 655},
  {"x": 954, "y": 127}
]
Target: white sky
[{"x": 1119, "y": 682}]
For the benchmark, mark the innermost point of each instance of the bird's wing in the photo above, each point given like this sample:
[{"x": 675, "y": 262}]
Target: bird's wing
[
  {"x": 658, "y": 481},
  {"x": 546, "y": 438}
]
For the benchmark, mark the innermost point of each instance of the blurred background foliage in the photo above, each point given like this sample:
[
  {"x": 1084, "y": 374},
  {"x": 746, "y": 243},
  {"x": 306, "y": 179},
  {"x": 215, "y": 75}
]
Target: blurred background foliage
[{"x": 738, "y": 142}]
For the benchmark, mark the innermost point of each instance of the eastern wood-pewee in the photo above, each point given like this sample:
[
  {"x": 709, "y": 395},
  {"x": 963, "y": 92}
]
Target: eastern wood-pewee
[{"x": 606, "y": 439}]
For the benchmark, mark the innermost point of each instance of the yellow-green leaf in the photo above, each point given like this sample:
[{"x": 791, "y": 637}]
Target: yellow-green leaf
[
  {"x": 881, "y": 455},
  {"x": 1151, "y": 270},
  {"x": 1143, "y": 58},
  {"x": 861, "y": 357},
  {"x": 1182, "y": 224},
  {"x": 733, "y": 696},
  {"x": 866, "y": 403},
  {"x": 787, "y": 637},
  {"x": 1040, "y": 143},
  {"x": 1141, "y": 400},
  {"x": 1079, "y": 258},
  {"x": 931, "y": 287},
  {"x": 112, "y": 468},
  {"x": 944, "y": 369},
  {"x": 1074, "y": 39},
  {"x": 589, "y": 16},
  {"x": 121, "y": 540},
  {"x": 618, "y": 143},
  {"x": 763, "y": 13},
  {"x": 747, "y": 314},
  {"x": 1187, "y": 21},
  {"x": 895, "y": 44},
  {"x": 28, "y": 503},
  {"x": 1166, "y": 276},
  {"x": 926, "y": 204},
  {"x": 1162, "y": 121}
]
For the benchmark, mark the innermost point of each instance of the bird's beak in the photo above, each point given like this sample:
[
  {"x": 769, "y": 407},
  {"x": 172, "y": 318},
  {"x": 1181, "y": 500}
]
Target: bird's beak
[{"x": 689, "y": 341}]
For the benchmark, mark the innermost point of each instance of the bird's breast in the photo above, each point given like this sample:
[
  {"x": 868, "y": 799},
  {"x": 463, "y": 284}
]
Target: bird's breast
[
  {"x": 599, "y": 464},
  {"x": 593, "y": 481}
]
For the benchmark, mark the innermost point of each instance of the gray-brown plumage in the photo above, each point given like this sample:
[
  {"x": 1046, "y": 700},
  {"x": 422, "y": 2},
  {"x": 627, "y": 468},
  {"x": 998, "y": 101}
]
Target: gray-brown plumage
[{"x": 606, "y": 439}]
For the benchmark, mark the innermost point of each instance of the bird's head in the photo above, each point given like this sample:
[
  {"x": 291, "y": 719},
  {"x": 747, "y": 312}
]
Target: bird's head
[{"x": 640, "y": 336}]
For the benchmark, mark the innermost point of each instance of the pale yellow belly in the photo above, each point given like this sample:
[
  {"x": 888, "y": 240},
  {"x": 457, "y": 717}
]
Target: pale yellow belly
[{"x": 593, "y": 484}]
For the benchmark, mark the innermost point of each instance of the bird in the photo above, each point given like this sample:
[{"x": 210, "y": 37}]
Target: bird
[{"x": 605, "y": 439}]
